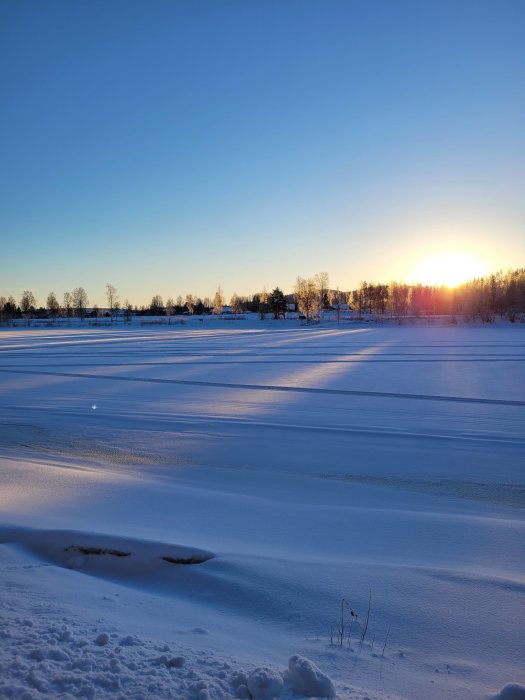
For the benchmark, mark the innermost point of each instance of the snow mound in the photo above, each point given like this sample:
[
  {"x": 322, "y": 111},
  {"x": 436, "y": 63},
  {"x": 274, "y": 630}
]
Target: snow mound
[
  {"x": 105, "y": 555},
  {"x": 512, "y": 691},
  {"x": 54, "y": 656},
  {"x": 265, "y": 684},
  {"x": 307, "y": 679}
]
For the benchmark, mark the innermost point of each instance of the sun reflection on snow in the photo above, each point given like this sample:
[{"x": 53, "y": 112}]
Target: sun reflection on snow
[{"x": 317, "y": 375}]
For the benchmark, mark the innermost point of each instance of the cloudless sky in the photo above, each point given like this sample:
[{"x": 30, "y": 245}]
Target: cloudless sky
[{"x": 171, "y": 146}]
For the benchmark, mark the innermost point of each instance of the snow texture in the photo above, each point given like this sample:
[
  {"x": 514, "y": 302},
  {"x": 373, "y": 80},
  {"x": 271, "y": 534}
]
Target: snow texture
[
  {"x": 265, "y": 684},
  {"x": 307, "y": 679},
  {"x": 237, "y": 481}
]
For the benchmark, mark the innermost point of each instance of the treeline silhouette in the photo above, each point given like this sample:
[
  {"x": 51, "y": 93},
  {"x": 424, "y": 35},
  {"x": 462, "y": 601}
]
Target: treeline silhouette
[{"x": 500, "y": 294}]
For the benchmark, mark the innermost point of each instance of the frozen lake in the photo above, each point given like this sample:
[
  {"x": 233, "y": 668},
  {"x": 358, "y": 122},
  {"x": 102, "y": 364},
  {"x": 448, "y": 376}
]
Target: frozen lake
[{"x": 300, "y": 466}]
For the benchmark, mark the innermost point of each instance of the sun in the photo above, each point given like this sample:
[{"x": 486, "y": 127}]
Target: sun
[{"x": 448, "y": 269}]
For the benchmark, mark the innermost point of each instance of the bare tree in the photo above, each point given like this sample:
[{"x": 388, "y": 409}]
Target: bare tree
[
  {"x": 398, "y": 299},
  {"x": 236, "y": 304},
  {"x": 67, "y": 306},
  {"x": 190, "y": 303},
  {"x": 170, "y": 307},
  {"x": 80, "y": 301},
  {"x": 52, "y": 305},
  {"x": 128, "y": 311},
  {"x": 218, "y": 301},
  {"x": 306, "y": 296},
  {"x": 113, "y": 300},
  {"x": 336, "y": 298},
  {"x": 356, "y": 298},
  {"x": 157, "y": 305},
  {"x": 27, "y": 304},
  {"x": 263, "y": 304},
  {"x": 321, "y": 282}
]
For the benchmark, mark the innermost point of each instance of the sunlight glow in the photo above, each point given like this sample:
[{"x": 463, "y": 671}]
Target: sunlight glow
[{"x": 449, "y": 269}]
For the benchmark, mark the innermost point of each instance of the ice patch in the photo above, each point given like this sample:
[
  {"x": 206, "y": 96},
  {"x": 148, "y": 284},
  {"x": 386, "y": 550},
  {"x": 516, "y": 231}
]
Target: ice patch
[
  {"x": 496, "y": 493},
  {"x": 39, "y": 439}
]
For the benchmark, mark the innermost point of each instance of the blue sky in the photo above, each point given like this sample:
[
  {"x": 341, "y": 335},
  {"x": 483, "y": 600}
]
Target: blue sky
[{"x": 169, "y": 147}]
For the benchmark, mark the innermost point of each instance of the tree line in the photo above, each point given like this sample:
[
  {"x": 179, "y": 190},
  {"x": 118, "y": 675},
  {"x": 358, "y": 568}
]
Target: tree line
[
  {"x": 484, "y": 298},
  {"x": 502, "y": 293}
]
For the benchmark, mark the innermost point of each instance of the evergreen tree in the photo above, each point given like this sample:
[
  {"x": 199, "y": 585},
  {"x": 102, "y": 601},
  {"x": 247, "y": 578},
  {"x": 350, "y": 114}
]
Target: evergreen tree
[{"x": 277, "y": 303}]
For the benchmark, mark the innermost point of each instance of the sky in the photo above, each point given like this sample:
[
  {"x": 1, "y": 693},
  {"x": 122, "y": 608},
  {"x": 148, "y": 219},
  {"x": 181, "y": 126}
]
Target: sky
[{"x": 172, "y": 146}]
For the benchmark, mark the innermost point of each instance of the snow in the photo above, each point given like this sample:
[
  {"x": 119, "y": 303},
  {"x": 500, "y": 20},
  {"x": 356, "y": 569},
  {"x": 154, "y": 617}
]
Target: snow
[
  {"x": 193, "y": 536},
  {"x": 307, "y": 679},
  {"x": 512, "y": 691},
  {"x": 264, "y": 684}
]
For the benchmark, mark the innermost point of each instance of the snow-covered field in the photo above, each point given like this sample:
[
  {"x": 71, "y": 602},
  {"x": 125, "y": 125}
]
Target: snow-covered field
[{"x": 183, "y": 505}]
